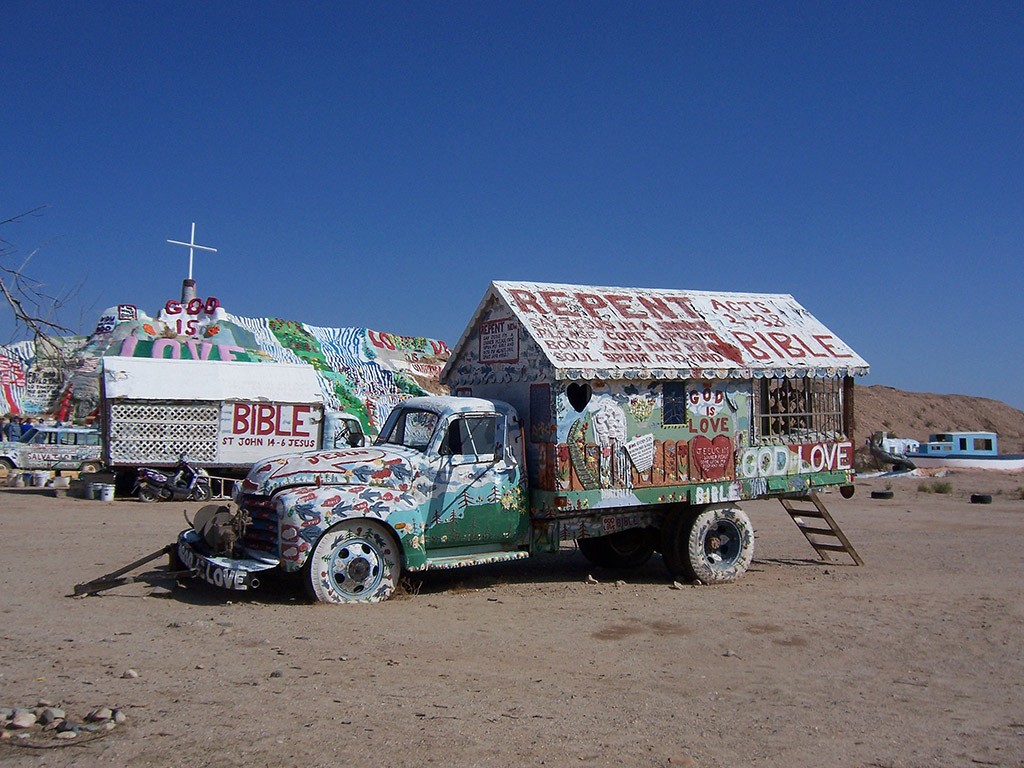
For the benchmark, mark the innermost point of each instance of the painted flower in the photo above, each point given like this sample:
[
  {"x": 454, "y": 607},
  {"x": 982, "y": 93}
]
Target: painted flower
[
  {"x": 213, "y": 330},
  {"x": 641, "y": 407},
  {"x": 512, "y": 498}
]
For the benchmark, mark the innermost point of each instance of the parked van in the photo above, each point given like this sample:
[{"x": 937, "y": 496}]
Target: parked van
[{"x": 76, "y": 448}]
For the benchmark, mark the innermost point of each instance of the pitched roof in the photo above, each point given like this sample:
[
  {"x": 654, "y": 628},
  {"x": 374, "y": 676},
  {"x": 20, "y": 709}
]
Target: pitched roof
[{"x": 639, "y": 333}]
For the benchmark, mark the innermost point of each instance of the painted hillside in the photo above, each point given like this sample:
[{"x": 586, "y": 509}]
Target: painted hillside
[{"x": 362, "y": 371}]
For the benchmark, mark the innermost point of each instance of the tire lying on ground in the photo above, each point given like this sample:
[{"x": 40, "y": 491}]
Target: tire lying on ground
[
  {"x": 881, "y": 494},
  {"x": 981, "y": 498}
]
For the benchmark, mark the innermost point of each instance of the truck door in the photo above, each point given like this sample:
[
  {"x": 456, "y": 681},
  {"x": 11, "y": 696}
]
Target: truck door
[{"x": 476, "y": 498}]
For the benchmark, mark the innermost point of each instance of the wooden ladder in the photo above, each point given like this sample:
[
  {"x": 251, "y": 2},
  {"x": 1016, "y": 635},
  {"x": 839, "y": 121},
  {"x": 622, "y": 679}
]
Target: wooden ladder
[{"x": 822, "y": 531}]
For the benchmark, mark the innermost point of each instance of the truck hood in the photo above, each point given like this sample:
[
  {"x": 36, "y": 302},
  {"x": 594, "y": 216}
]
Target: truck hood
[{"x": 386, "y": 466}]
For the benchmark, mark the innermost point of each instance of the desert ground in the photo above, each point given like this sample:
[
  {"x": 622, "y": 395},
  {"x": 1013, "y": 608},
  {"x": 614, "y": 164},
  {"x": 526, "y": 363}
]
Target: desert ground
[{"x": 913, "y": 659}]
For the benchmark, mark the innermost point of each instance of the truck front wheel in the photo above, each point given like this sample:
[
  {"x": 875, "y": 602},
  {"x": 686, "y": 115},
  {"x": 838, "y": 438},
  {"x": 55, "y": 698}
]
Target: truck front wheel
[
  {"x": 356, "y": 561},
  {"x": 625, "y": 549},
  {"x": 713, "y": 544}
]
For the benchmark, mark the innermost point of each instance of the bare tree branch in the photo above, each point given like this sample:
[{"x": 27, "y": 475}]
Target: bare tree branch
[{"x": 33, "y": 307}]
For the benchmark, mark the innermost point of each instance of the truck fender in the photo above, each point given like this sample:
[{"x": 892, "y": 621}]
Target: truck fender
[{"x": 309, "y": 512}]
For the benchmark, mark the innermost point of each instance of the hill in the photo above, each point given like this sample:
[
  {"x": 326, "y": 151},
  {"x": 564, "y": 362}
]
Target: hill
[
  {"x": 361, "y": 371},
  {"x": 918, "y": 414}
]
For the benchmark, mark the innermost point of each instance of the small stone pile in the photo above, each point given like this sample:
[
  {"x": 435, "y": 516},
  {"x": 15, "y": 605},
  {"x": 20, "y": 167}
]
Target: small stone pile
[{"x": 47, "y": 721}]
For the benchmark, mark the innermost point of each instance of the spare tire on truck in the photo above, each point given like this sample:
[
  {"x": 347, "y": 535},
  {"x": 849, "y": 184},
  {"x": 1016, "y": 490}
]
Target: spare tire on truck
[{"x": 712, "y": 544}]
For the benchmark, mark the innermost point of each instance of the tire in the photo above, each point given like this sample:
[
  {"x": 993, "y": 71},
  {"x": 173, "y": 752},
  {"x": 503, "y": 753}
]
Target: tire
[
  {"x": 356, "y": 561},
  {"x": 202, "y": 492},
  {"x": 625, "y": 549},
  {"x": 712, "y": 544},
  {"x": 981, "y": 498},
  {"x": 882, "y": 494},
  {"x": 89, "y": 468},
  {"x": 147, "y": 493},
  {"x": 6, "y": 466}
]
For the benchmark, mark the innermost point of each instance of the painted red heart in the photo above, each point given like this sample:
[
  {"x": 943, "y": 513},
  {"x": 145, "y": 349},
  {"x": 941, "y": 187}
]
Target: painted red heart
[{"x": 711, "y": 458}]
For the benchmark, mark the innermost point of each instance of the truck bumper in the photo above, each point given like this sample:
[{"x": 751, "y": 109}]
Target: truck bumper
[{"x": 240, "y": 573}]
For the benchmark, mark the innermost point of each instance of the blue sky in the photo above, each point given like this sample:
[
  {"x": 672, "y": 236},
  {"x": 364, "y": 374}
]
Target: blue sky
[{"x": 378, "y": 164}]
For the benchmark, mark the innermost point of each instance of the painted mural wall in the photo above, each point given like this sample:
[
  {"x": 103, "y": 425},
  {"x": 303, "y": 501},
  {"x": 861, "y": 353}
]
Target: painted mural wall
[{"x": 361, "y": 371}]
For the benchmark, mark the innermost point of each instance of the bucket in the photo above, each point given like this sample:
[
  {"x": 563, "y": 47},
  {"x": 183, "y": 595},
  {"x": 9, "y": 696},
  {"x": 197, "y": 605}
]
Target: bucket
[
  {"x": 39, "y": 478},
  {"x": 106, "y": 492},
  {"x": 90, "y": 490}
]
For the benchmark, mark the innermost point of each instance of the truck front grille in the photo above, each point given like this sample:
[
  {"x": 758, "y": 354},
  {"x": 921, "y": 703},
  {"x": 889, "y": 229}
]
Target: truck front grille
[{"x": 261, "y": 533}]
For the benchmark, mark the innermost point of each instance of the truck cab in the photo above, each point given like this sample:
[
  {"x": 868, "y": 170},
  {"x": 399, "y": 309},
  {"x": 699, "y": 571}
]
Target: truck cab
[{"x": 443, "y": 486}]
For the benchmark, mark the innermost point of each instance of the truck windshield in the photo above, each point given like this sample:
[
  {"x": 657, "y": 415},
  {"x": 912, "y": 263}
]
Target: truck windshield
[{"x": 409, "y": 427}]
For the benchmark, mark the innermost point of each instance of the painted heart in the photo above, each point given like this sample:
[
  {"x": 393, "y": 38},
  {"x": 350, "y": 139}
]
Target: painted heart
[
  {"x": 711, "y": 458},
  {"x": 578, "y": 395}
]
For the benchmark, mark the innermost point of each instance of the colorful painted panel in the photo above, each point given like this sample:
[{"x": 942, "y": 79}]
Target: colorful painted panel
[
  {"x": 361, "y": 371},
  {"x": 613, "y": 436}
]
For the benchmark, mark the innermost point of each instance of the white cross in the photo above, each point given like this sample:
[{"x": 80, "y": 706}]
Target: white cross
[{"x": 191, "y": 248}]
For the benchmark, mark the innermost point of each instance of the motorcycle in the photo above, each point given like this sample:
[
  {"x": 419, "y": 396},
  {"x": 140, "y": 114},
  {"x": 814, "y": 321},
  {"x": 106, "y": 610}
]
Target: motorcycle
[{"x": 187, "y": 483}]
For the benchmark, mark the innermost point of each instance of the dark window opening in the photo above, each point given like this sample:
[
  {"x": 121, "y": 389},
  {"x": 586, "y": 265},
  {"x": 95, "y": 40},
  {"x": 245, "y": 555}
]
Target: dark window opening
[{"x": 673, "y": 410}]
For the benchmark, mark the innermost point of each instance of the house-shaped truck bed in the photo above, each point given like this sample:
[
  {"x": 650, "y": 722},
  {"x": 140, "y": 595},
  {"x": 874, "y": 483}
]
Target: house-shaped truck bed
[{"x": 632, "y": 399}]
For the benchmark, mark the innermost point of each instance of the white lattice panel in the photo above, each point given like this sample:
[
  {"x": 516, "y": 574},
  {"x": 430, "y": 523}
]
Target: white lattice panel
[{"x": 154, "y": 433}]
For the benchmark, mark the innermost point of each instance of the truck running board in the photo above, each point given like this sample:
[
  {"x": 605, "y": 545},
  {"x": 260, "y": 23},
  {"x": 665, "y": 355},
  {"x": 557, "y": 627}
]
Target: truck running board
[
  {"x": 460, "y": 559},
  {"x": 822, "y": 532}
]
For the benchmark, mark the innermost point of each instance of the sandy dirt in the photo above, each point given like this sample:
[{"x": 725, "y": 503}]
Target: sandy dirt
[{"x": 912, "y": 660}]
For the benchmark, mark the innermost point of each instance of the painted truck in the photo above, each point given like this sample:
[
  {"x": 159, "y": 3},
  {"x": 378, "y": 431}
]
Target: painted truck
[
  {"x": 629, "y": 421},
  {"x": 223, "y": 415}
]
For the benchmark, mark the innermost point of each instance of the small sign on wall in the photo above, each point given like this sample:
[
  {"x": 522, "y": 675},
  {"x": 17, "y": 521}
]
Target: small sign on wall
[
  {"x": 641, "y": 452},
  {"x": 499, "y": 341},
  {"x": 249, "y": 431}
]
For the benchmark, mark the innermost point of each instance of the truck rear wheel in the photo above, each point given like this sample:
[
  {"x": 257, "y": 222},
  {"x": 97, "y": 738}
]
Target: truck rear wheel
[
  {"x": 356, "y": 561},
  {"x": 5, "y": 468},
  {"x": 625, "y": 549},
  {"x": 713, "y": 544}
]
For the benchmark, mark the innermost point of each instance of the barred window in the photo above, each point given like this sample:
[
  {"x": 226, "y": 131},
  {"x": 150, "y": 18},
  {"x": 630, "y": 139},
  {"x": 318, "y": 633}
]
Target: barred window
[{"x": 800, "y": 410}]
